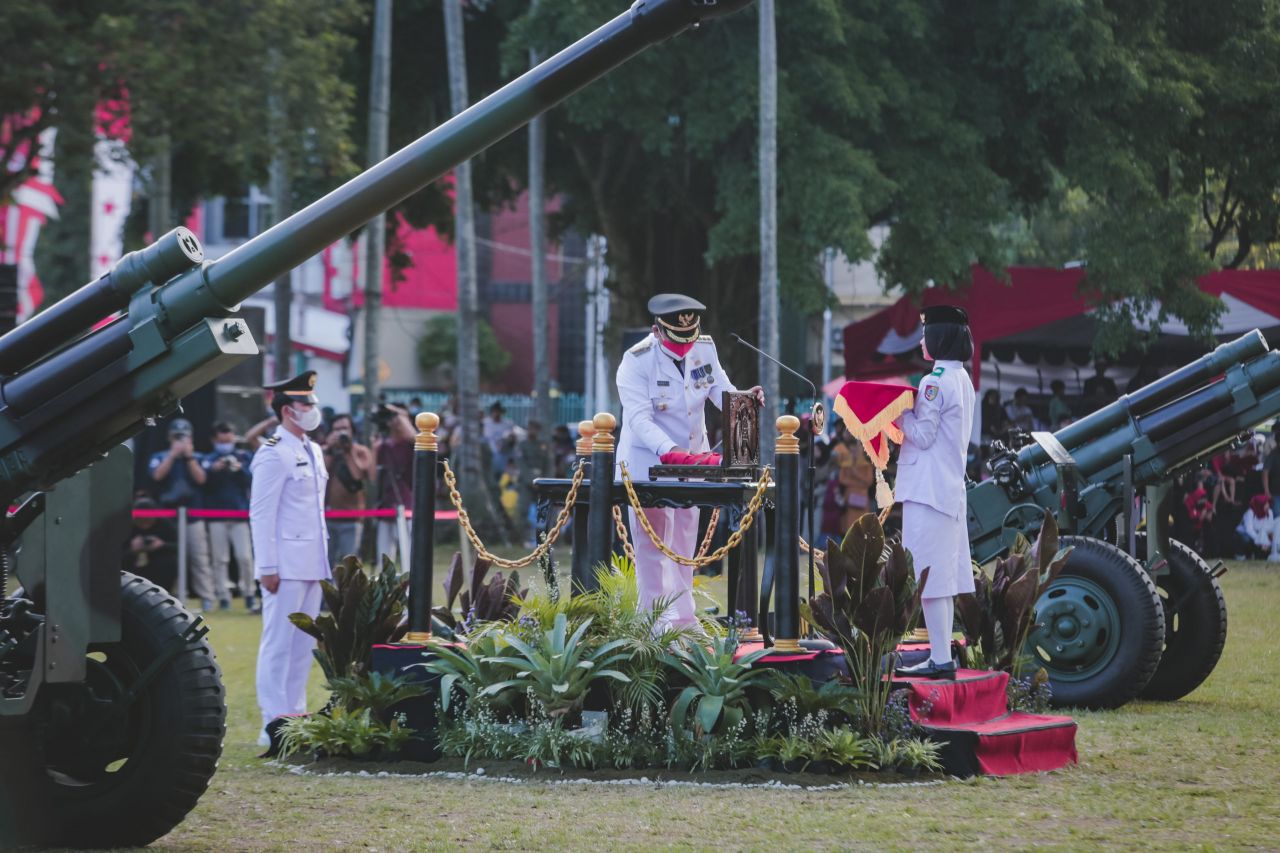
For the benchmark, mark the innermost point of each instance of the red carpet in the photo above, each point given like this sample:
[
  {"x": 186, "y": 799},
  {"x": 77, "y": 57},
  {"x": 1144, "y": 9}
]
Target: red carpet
[{"x": 971, "y": 717}]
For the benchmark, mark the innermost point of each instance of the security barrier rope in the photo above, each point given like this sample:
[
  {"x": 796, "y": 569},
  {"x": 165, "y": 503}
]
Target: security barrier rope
[
  {"x": 618, "y": 524},
  {"x": 562, "y": 519},
  {"x": 753, "y": 507}
]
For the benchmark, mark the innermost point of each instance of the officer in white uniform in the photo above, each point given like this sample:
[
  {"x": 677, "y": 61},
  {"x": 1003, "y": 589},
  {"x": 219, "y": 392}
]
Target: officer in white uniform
[
  {"x": 663, "y": 383},
  {"x": 290, "y": 545},
  {"x": 930, "y": 485}
]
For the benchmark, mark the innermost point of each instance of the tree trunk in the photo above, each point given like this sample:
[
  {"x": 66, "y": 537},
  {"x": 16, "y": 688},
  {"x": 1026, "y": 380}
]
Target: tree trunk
[
  {"x": 769, "y": 338},
  {"x": 473, "y": 479},
  {"x": 379, "y": 118},
  {"x": 281, "y": 202}
]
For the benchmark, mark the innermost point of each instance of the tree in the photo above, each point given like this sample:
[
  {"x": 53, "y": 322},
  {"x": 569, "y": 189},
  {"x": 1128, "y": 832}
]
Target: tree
[{"x": 438, "y": 347}]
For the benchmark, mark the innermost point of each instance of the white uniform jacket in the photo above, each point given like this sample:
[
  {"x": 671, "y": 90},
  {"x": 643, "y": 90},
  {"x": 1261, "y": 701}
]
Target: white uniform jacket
[
  {"x": 932, "y": 460},
  {"x": 661, "y": 408},
  {"x": 286, "y": 509}
]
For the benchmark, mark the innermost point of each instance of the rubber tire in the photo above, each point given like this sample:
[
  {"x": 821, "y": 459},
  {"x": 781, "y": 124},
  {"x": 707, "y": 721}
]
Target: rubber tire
[
  {"x": 1193, "y": 642},
  {"x": 177, "y": 755},
  {"x": 1141, "y": 630}
]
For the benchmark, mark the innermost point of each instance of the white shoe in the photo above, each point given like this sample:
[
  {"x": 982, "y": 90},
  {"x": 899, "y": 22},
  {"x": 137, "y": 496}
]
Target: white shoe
[{"x": 263, "y": 738}]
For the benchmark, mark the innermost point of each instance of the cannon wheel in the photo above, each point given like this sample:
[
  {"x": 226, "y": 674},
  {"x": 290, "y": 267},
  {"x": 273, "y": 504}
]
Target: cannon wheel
[
  {"x": 138, "y": 782},
  {"x": 1099, "y": 627},
  {"x": 1195, "y": 622}
]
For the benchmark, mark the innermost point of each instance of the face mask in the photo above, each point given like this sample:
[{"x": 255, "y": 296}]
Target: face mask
[
  {"x": 224, "y": 447},
  {"x": 680, "y": 350},
  {"x": 308, "y": 420}
]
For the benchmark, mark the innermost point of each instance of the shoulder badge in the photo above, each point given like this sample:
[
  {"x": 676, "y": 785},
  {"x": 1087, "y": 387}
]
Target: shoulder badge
[
  {"x": 931, "y": 393},
  {"x": 706, "y": 339},
  {"x": 272, "y": 441},
  {"x": 641, "y": 347},
  {"x": 938, "y": 371}
]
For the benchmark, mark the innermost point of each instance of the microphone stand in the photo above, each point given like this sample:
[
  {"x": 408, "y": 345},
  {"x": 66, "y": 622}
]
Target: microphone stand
[{"x": 809, "y": 473}]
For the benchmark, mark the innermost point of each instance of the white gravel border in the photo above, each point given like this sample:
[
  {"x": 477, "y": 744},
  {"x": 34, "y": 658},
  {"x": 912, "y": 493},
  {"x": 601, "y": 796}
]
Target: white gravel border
[{"x": 479, "y": 775}]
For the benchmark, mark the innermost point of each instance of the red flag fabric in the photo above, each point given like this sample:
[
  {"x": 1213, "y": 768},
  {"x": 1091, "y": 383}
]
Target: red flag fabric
[{"x": 869, "y": 409}]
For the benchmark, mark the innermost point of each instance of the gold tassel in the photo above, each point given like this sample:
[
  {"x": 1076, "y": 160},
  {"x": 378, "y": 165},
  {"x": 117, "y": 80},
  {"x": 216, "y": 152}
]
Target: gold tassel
[{"x": 884, "y": 493}]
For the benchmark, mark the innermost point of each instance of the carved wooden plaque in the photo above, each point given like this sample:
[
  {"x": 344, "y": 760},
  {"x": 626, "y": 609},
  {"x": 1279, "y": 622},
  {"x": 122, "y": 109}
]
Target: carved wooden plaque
[{"x": 741, "y": 442}]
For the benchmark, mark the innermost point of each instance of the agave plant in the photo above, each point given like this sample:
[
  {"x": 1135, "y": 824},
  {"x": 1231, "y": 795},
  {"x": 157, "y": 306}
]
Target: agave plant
[
  {"x": 718, "y": 684},
  {"x": 870, "y": 598},
  {"x": 364, "y": 610},
  {"x": 558, "y": 669},
  {"x": 468, "y": 667},
  {"x": 495, "y": 601},
  {"x": 998, "y": 616}
]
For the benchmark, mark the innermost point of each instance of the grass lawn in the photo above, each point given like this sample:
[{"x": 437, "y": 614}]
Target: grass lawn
[{"x": 1201, "y": 772}]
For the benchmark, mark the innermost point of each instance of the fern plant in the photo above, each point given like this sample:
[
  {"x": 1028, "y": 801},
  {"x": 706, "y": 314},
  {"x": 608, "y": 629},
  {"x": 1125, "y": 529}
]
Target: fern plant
[{"x": 344, "y": 734}]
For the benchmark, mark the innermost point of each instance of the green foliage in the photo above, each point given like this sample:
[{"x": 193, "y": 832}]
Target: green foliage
[
  {"x": 832, "y": 697},
  {"x": 373, "y": 690},
  {"x": 470, "y": 668},
  {"x": 870, "y": 598},
  {"x": 438, "y": 347},
  {"x": 364, "y": 610},
  {"x": 717, "y": 688},
  {"x": 344, "y": 734},
  {"x": 997, "y": 617},
  {"x": 844, "y": 748},
  {"x": 557, "y": 669}
]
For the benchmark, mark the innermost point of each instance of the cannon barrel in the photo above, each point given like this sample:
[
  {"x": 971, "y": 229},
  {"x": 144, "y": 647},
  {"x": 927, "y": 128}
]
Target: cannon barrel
[
  {"x": 180, "y": 331},
  {"x": 175, "y": 252}
]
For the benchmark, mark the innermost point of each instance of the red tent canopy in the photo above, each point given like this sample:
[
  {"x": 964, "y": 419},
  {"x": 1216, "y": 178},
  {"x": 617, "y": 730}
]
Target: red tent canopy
[{"x": 1031, "y": 297}]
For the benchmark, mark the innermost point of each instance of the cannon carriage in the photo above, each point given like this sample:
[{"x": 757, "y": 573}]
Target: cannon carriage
[{"x": 1135, "y": 613}]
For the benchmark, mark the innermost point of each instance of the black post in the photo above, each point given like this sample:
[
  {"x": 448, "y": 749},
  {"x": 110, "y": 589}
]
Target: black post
[
  {"x": 580, "y": 568},
  {"x": 744, "y": 590},
  {"x": 786, "y": 560},
  {"x": 422, "y": 549},
  {"x": 600, "y": 518}
]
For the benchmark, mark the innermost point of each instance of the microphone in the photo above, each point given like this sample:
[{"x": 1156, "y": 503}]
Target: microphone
[{"x": 797, "y": 375}]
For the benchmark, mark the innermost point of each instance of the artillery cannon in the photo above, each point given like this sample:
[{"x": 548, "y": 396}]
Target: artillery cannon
[
  {"x": 1133, "y": 614},
  {"x": 112, "y": 709}
]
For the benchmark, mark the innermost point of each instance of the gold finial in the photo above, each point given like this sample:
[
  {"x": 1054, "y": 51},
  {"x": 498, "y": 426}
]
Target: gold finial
[
  {"x": 586, "y": 429},
  {"x": 781, "y": 645},
  {"x": 602, "y": 441},
  {"x": 787, "y": 443},
  {"x": 426, "y": 423}
]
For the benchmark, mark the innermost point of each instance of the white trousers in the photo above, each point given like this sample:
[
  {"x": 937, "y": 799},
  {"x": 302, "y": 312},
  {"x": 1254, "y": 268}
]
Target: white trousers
[
  {"x": 224, "y": 538},
  {"x": 284, "y": 654},
  {"x": 658, "y": 577},
  {"x": 939, "y": 543}
]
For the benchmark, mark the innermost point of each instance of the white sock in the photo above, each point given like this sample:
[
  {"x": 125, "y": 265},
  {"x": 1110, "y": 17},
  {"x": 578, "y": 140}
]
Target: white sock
[{"x": 938, "y": 615}]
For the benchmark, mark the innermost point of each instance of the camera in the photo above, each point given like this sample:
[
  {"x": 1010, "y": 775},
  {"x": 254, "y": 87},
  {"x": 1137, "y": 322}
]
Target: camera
[{"x": 344, "y": 441}]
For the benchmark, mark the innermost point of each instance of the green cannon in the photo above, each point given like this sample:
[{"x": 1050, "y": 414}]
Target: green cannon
[
  {"x": 112, "y": 709},
  {"x": 1134, "y": 613}
]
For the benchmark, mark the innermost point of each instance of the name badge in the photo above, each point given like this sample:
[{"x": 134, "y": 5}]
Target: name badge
[{"x": 664, "y": 382}]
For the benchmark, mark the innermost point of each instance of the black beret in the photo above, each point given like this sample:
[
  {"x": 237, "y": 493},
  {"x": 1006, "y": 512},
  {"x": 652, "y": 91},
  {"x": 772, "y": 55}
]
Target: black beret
[
  {"x": 944, "y": 314},
  {"x": 301, "y": 388},
  {"x": 670, "y": 303}
]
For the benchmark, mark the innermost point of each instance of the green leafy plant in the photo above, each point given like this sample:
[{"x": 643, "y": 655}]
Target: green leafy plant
[
  {"x": 471, "y": 667},
  {"x": 843, "y": 747},
  {"x": 919, "y": 754},
  {"x": 373, "y": 690},
  {"x": 717, "y": 686},
  {"x": 365, "y": 609},
  {"x": 836, "y": 698},
  {"x": 998, "y": 616},
  {"x": 344, "y": 734},
  {"x": 481, "y": 602},
  {"x": 869, "y": 600},
  {"x": 559, "y": 667}
]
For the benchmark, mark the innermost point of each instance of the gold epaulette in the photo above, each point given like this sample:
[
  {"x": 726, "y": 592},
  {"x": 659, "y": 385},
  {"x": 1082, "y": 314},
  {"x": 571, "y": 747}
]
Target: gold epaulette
[
  {"x": 706, "y": 339},
  {"x": 641, "y": 347},
  {"x": 272, "y": 441}
]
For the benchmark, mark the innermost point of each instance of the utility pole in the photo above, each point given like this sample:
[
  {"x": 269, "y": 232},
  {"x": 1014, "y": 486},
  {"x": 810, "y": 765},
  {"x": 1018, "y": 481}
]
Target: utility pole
[
  {"x": 538, "y": 272},
  {"x": 829, "y": 274},
  {"x": 769, "y": 335},
  {"x": 376, "y": 231}
]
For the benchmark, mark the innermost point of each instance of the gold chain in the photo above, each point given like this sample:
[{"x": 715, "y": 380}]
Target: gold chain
[
  {"x": 622, "y": 534},
  {"x": 753, "y": 506},
  {"x": 562, "y": 519},
  {"x": 630, "y": 551}
]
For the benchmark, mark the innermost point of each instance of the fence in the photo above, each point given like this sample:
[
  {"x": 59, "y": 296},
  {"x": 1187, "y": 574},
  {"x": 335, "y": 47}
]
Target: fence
[{"x": 565, "y": 409}]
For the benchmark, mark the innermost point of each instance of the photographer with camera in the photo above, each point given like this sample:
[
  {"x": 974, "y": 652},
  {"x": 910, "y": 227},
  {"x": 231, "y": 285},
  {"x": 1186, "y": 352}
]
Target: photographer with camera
[
  {"x": 393, "y": 452},
  {"x": 227, "y": 483},
  {"x": 151, "y": 551},
  {"x": 180, "y": 480},
  {"x": 350, "y": 464}
]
